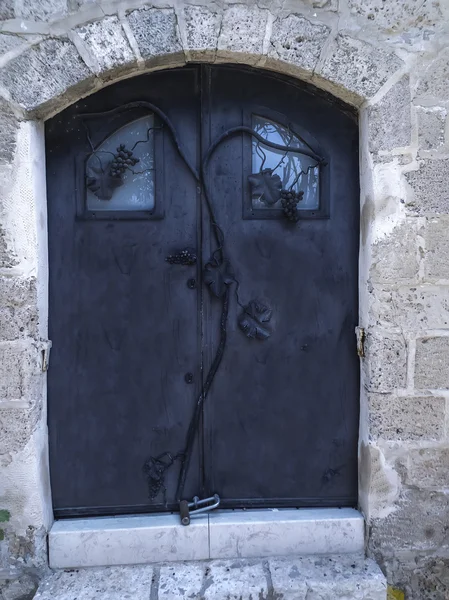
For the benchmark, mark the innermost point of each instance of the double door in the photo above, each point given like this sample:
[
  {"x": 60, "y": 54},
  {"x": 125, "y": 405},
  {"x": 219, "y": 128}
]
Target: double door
[{"x": 203, "y": 241}]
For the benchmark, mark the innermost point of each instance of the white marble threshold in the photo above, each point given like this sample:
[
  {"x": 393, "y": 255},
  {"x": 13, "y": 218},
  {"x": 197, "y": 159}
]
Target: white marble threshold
[{"x": 144, "y": 539}]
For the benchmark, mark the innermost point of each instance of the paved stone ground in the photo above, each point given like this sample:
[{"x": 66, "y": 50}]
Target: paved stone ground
[{"x": 299, "y": 578}]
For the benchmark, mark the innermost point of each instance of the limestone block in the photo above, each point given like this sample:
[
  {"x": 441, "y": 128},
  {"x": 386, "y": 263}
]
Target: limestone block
[
  {"x": 436, "y": 239},
  {"x": 298, "y": 41},
  {"x": 384, "y": 366},
  {"x": 186, "y": 579},
  {"x": 18, "y": 308},
  {"x": 428, "y": 467},
  {"x": 7, "y": 9},
  {"x": 434, "y": 81},
  {"x": 331, "y": 5},
  {"x": 107, "y": 42},
  {"x": 155, "y": 30},
  {"x": 432, "y": 363},
  {"x": 8, "y": 127},
  {"x": 243, "y": 31},
  {"x": 389, "y": 121},
  {"x": 420, "y": 576},
  {"x": 379, "y": 483},
  {"x": 16, "y": 427},
  {"x": 430, "y": 189},
  {"x": 394, "y": 16},
  {"x": 326, "y": 577},
  {"x": 395, "y": 257},
  {"x": 117, "y": 583},
  {"x": 43, "y": 10},
  {"x": 9, "y": 42},
  {"x": 358, "y": 66},
  {"x": 19, "y": 373},
  {"x": 202, "y": 28},
  {"x": 43, "y": 72},
  {"x": 231, "y": 579},
  {"x": 418, "y": 522},
  {"x": 414, "y": 308},
  {"x": 406, "y": 418},
  {"x": 431, "y": 127},
  {"x": 7, "y": 257},
  {"x": 19, "y": 588}
]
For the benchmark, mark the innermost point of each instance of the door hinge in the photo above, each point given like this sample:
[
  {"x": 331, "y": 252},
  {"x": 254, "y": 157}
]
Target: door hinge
[
  {"x": 45, "y": 348},
  {"x": 360, "y": 335}
]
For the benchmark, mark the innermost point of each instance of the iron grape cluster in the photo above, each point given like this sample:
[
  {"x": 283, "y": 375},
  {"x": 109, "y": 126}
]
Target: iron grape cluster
[
  {"x": 184, "y": 257},
  {"x": 122, "y": 160},
  {"x": 289, "y": 202}
]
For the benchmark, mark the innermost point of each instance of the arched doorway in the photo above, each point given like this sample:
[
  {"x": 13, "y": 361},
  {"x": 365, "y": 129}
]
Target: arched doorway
[{"x": 203, "y": 248}]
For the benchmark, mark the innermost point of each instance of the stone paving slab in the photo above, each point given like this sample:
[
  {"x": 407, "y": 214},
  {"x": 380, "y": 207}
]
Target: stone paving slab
[{"x": 335, "y": 577}]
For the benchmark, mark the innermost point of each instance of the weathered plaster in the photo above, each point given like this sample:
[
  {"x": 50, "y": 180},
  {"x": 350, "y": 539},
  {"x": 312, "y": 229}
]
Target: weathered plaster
[{"x": 390, "y": 60}]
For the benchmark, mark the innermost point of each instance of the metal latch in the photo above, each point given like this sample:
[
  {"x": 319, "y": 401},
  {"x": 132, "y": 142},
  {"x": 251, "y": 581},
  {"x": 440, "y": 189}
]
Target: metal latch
[
  {"x": 45, "y": 347},
  {"x": 360, "y": 335},
  {"x": 197, "y": 506}
]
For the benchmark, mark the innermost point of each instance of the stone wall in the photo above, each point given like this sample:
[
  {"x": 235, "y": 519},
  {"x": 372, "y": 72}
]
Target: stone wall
[{"x": 390, "y": 59}]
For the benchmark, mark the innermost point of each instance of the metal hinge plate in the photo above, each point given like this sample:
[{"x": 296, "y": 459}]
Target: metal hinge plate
[{"x": 360, "y": 335}]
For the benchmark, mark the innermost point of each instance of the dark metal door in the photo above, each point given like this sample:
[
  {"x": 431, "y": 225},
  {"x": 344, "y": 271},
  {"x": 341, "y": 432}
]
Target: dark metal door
[{"x": 231, "y": 367}]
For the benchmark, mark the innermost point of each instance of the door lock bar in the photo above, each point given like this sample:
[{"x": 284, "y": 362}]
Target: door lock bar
[{"x": 197, "y": 506}]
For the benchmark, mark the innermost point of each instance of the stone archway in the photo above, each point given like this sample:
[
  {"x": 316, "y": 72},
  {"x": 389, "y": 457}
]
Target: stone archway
[{"x": 52, "y": 66}]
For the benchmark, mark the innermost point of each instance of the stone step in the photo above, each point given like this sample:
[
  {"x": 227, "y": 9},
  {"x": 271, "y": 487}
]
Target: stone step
[
  {"x": 331, "y": 577},
  {"x": 144, "y": 539}
]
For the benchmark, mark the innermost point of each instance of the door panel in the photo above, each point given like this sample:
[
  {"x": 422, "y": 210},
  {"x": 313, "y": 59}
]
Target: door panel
[
  {"x": 134, "y": 336},
  {"x": 123, "y": 322},
  {"x": 281, "y": 420}
]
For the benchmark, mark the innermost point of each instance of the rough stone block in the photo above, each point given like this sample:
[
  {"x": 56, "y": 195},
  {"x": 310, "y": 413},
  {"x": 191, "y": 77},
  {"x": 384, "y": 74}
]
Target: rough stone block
[
  {"x": 185, "y": 580},
  {"x": 418, "y": 522},
  {"x": 331, "y": 5},
  {"x": 243, "y": 30},
  {"x": 419, "y": 576},
  {"x": 9, "y": 42},
  {"x": 107, "y": 42},
  {"x": 384, "y": 366},
  {"x": 428, "y": 467},
  {"x": 232, "y": 579},
  {"x": 394, "y": 16},
  {"x": 395, "y": 257},
  {"x": 430, "y": 189},
  {"x": 379, "y": 483},
  {"x": 389, "y": 121},
  {"x": 414, "y": 308},
  {"x": 113, "y": 583},
  {"x": 298, "y": 41},
  {"x": 43, "y": 10},
  {"x": 19, "y": 368},
  {"x": 431, "y": 127},
  {"x": 406, "y": 418},
  {"x": 7, "y": 256},
  {"x": 326, "y": 577},
  {"x": 432, "y": 363},
  {"x": 436, "y": 239},
  {"x": 18, "y": 308},
  {"x": 202, "y": 27},
  {"x": 7, "y": 9},
  {"x": 43, "y": 72},
  {"x": 16, "y": 427},
  {"x": 434, "y": 80},
  {"x": 358, "y": 67},
  {"x": 155, "y": 30},
  {"x": 9, "y": 127}
]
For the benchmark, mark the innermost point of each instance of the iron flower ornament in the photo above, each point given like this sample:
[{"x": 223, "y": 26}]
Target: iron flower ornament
[{"x": 253, "y": 320}]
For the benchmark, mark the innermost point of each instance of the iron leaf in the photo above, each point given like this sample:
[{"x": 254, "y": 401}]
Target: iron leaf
[
  {"x": 265, "y": 186},
  {"x": 100, "y": 181},
  {"x": 217, "y": 275}
]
